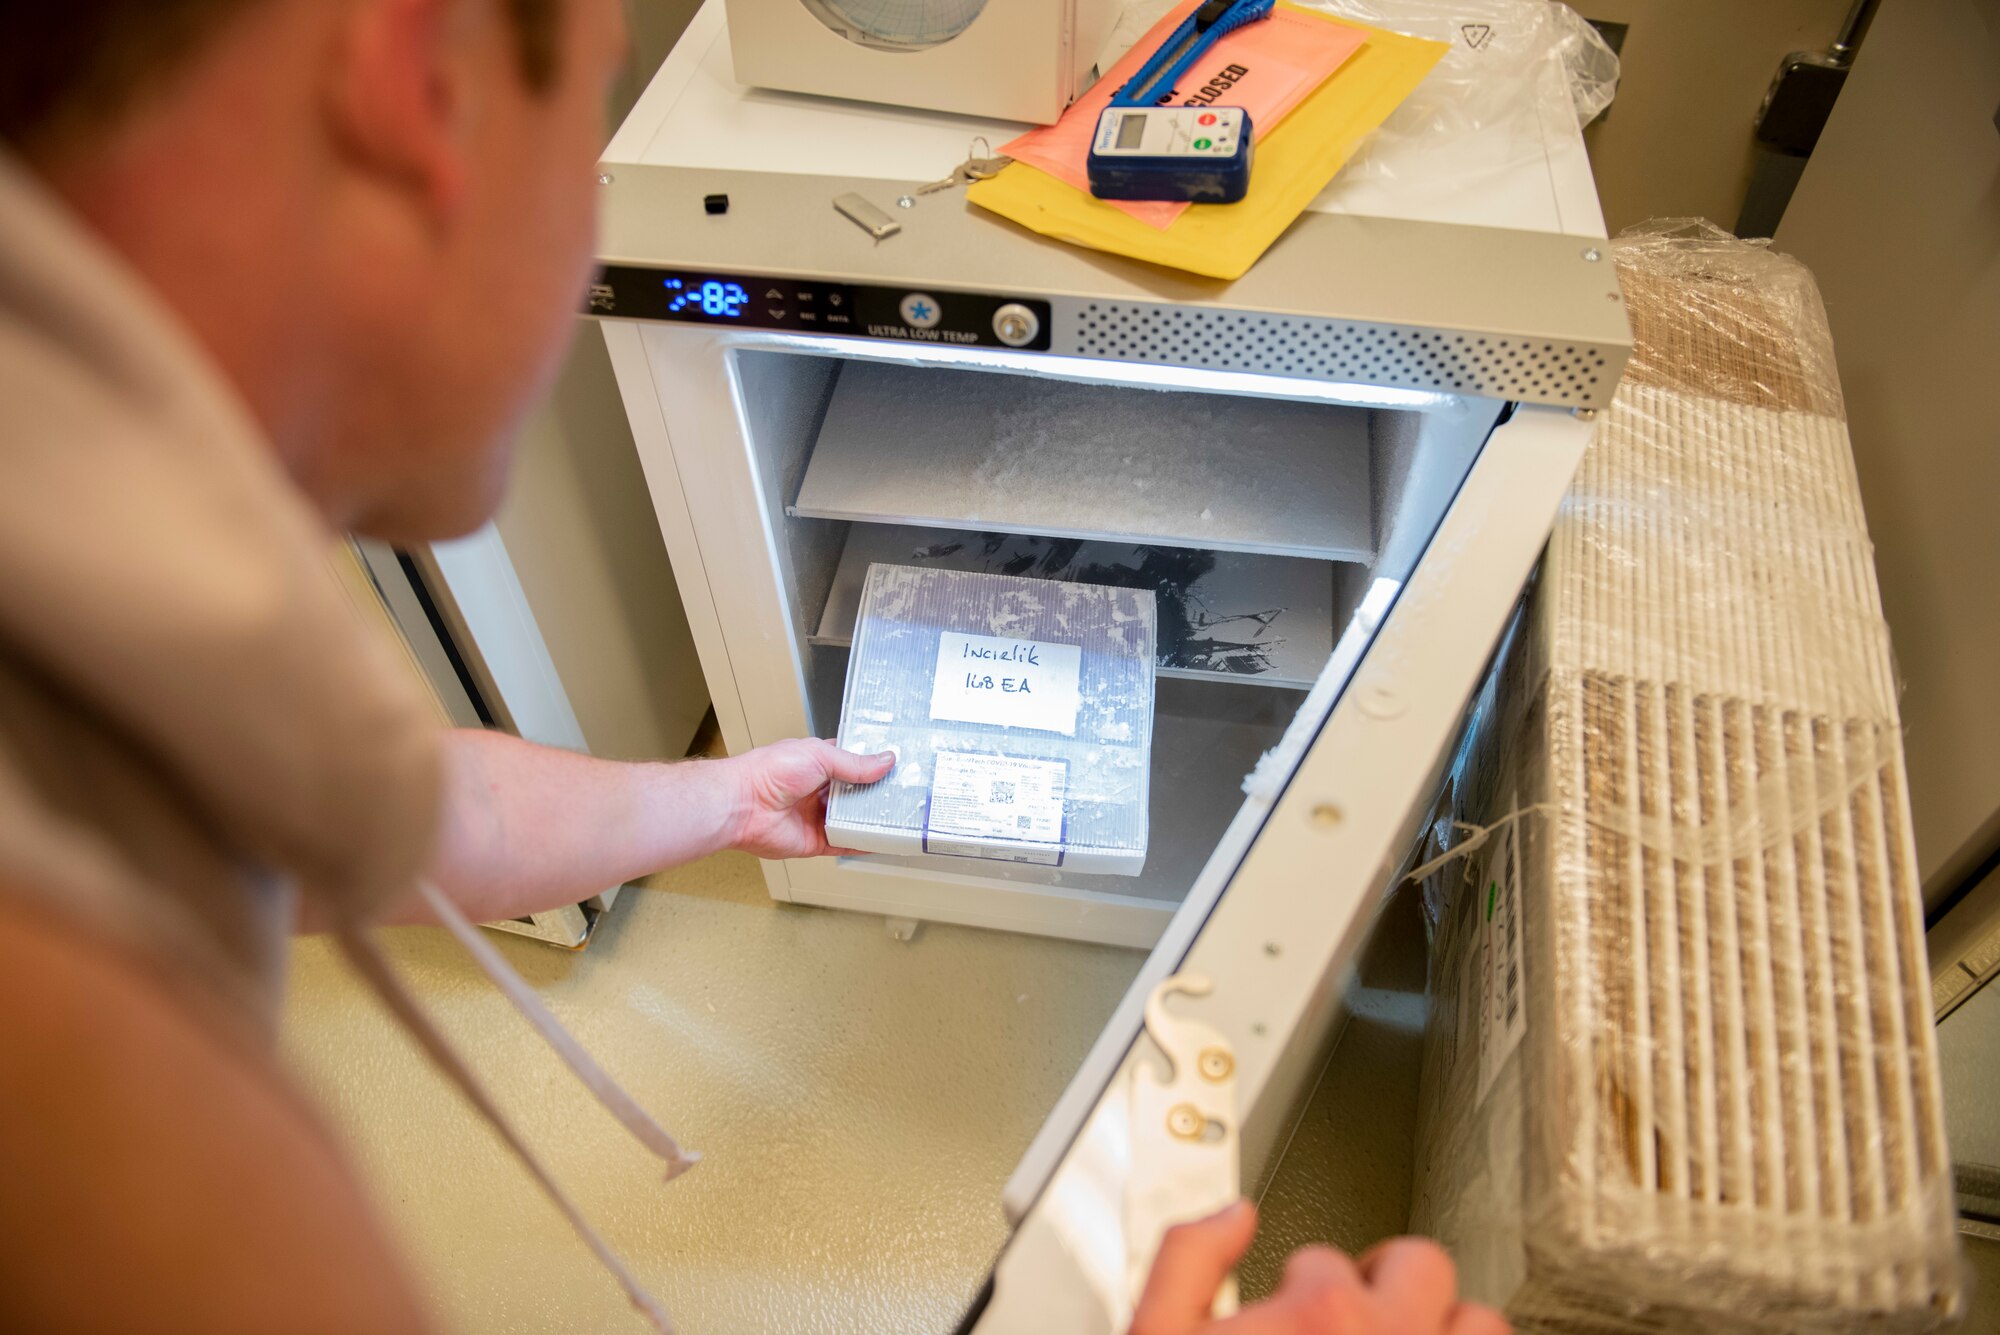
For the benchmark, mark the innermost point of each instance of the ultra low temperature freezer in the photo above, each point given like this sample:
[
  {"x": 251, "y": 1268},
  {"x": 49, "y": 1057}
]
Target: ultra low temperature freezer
[{"x": 1334, "y": 473}]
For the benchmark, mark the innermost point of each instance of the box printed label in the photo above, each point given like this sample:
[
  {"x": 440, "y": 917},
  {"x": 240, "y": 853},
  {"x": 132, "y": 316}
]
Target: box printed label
[{"x": 1003, "y": 807}]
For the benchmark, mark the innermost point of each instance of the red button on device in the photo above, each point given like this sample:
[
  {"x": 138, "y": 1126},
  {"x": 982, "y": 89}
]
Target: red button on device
[{"x": 1206, "y": 118}]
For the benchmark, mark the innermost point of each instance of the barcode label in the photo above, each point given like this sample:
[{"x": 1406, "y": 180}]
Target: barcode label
[{"x": 1007, "y": 808}]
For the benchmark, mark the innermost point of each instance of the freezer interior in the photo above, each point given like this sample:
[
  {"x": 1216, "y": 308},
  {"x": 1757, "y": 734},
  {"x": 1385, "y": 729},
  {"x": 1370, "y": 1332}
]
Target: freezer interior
[{"x": 1275, "y": 520}]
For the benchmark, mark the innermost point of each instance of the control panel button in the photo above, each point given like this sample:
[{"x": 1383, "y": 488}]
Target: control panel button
[
  {"x": 1016, "y": 325},
  {"x": 920, "y": 310},
  {"x": 1206, "y": 118}
]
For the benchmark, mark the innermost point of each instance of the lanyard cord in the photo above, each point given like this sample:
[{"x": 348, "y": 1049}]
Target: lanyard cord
[{"x": 365, "y": 953}]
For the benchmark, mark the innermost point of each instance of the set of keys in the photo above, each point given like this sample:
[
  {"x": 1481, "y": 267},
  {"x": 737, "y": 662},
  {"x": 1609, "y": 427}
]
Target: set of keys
[{"x": 974, "y": 168}]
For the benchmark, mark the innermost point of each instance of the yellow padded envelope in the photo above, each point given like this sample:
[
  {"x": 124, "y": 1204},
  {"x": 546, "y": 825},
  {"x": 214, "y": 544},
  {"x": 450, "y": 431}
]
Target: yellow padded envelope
[{"x": 1294, "y": 162}]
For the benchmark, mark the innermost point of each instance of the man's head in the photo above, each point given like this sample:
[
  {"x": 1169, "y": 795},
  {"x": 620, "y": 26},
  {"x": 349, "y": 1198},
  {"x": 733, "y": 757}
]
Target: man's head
[{"x": 376, "y": 214}]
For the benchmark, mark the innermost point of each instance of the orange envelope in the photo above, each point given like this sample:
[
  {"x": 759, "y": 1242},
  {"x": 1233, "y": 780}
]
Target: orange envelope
[
  {"x": 1267, "y": 68},
  {"x": 1294, "y": 163}
]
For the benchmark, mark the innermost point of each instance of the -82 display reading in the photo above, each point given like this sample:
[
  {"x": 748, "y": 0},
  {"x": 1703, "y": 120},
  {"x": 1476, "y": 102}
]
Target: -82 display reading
[{"x": 723, "y": 300}]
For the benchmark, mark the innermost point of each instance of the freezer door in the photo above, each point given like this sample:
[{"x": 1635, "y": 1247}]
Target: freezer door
[{"x": 1278, "y": 914}]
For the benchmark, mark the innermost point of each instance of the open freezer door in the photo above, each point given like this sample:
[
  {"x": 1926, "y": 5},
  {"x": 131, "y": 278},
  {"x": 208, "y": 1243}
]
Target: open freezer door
[{"x": 1263, "y": 941}]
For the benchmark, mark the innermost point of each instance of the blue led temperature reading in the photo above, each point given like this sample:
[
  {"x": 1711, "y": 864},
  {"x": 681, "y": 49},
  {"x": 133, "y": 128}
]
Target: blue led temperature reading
[{"x": 712, "y": 297}]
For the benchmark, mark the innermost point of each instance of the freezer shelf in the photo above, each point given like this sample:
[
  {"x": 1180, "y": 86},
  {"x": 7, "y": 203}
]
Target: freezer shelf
[
  {"x": 1024, "y": 454},
  {"x": 1227, "y": 615},
  {"x": 1204, "y": 741}
]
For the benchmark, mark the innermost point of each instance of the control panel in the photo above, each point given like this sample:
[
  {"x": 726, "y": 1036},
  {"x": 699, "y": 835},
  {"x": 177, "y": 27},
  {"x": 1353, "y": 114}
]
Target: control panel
[{"x": 816, "y": 306}]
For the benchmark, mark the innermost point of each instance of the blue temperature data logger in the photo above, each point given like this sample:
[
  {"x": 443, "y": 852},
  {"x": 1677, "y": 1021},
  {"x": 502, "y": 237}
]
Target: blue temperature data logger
[
  {"x": 713, "y": 296},
  {"x": 1197, "y": 154},
  {"x": 1194, "y": 154}
]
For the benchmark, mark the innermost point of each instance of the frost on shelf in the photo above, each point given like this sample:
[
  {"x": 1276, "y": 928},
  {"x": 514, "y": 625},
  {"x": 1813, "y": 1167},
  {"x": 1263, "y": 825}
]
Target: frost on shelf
[{"x": 1021, "y": 714}]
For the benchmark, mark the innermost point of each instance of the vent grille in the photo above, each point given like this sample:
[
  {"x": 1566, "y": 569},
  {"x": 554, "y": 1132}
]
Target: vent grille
[{"x": 1577, "y": 375}]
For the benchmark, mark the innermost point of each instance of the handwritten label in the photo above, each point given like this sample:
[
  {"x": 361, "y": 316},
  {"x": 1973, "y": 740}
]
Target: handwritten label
[
  {"x": 1014, "y": 683},
  {"x": 1006, "y": 808}
]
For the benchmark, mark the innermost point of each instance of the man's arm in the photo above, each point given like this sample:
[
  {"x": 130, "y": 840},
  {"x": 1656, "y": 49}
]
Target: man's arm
[
  {"x": 530, "y": 827},
  {"x": 157, "y": 1177}
]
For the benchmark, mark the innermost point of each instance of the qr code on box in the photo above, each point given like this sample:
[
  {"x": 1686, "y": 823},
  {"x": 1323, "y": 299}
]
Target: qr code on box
[{"x": 1003, "y": 793}]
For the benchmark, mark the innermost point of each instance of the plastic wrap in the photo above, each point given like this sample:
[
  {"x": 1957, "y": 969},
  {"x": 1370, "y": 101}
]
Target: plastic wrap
[
  {"x": 1725, "y": 319},
  {"x": 1511, "y": 62},
  {"x": 1680, "y": 1072},
  {"x": 1516, "y": 76}
]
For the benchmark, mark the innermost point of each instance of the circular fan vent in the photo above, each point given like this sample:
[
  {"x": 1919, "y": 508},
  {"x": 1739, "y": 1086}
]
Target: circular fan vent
[{"x": 897, "y": 25}]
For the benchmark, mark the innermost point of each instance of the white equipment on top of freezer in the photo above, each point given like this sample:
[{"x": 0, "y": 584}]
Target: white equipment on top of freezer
[
  {"x": 1016, "y": 59},
  {"x": 1336, "y": 474}
]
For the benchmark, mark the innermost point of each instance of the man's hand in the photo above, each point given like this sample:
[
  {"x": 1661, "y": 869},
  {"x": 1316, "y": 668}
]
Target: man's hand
[
  {"x": 1406, "y": 1286},
  {"x": 781, "y": 794},
  {"x": 530, "y": 827}
]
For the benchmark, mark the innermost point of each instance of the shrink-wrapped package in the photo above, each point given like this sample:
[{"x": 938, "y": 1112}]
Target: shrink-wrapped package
[{"x": 1680, "y": 1071}]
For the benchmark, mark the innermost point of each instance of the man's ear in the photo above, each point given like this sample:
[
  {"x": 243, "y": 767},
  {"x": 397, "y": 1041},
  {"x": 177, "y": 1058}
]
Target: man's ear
[{"x": 399, "y": 97}]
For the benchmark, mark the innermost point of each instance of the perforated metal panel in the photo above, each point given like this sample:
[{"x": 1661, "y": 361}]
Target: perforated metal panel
[{"x": 1502, "y": 367}]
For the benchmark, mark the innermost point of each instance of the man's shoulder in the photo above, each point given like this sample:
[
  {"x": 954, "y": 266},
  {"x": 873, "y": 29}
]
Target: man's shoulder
[{"x": 137, "y": 1125}]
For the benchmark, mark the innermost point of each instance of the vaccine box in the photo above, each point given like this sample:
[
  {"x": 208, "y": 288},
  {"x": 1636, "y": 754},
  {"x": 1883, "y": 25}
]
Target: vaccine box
[{"x": 1020, "y": 712}]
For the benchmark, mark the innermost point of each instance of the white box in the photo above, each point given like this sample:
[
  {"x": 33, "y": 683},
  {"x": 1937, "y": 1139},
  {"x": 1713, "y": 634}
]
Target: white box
[
  {"x": 1021, "y": 714},
  {"x": 1017, "y": 60}
]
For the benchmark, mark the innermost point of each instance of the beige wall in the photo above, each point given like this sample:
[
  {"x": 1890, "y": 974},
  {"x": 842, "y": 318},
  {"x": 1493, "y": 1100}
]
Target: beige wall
[
  {"x": 1677, "y": 142},
  {"x": 1898, "y": 215},
  {"x": 654, "y": 26}
]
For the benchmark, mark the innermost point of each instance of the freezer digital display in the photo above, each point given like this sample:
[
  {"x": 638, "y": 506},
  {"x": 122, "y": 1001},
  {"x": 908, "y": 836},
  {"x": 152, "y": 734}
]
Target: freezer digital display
[{"x": 712, "y": 296}]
